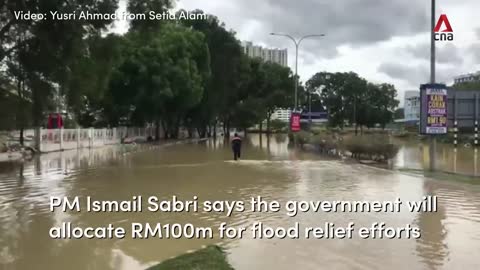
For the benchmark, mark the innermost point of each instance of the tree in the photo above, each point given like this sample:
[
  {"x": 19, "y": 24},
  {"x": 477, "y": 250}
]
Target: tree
[
  {"x": 203, "y": 116},
  {"x": 399, "y": 113},
  {"x": 47, "y": 47},
  {"x": 277, "y": 89},
  {"x": 145, "y": 7},
  {"x": 228, "y": 68},
  {"x": 89, "y": 76},
  {"x": 350, "y": 98},
  {"x": 385, "y": 103},
  {"x": 341, "y": 94},
  {"x": 18, "y": 78},
  {"x": 161, "y": 78}
]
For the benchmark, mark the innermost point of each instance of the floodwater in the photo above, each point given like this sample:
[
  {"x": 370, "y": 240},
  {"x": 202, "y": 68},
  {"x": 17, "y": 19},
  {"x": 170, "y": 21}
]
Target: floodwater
[
  {"x": 450, "y": 237},
  {"x": 414, "y": 155}
]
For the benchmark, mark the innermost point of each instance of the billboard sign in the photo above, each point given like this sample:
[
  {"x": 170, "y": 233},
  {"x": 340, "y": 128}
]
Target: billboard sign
[
  {"x": 433, "y": 109},
  {"x": 295, "y": 122},
  {"x": 314, "y": 117}
]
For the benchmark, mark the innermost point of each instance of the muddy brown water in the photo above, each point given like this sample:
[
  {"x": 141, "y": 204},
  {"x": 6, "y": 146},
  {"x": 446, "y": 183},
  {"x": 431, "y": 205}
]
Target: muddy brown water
[
  {"x": 450, "y": 237},
  {"x": 414, "y": 155}
]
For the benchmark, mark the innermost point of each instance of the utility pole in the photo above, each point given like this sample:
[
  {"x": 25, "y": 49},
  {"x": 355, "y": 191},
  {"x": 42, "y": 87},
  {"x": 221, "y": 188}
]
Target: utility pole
[
  {"x": 310, "y": 110},
  {"x": 432, "y": 139},
  {"x": 355, "y": 113}
]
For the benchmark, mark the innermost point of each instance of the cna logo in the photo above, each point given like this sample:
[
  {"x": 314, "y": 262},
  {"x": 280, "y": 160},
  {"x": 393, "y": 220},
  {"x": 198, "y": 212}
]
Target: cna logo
[{"x": 447, "y": 33}]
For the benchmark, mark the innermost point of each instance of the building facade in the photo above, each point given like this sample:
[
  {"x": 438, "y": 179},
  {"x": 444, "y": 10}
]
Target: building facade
[
  {"x": 470, "y": 77},
  {"x": 412, "y": 106},
  {"x": 271, "y": 55}
]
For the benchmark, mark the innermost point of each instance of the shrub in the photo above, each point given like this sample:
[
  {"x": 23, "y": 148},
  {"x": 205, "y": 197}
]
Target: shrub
[
  {"x": 317, "y": 130},
  {"x": 302, "y": 137},
  {"x": 325, "y": 142},
  {"x": 371, "y": 147},
  {"x": 3, "y": 147},
  {"x": 278, "y": 125},
  {"x": 279, "y": 137}
]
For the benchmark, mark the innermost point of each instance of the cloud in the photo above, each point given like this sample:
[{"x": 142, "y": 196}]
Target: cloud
[
  {"x": 369, "y": 37},
  {"x": 416, "y": 74},
  {"x": 413, "y": 75},
  {"x": 448, "y": 53},
  {"x": 345, "y": 22},
  {"x": 475, "y": 49}
]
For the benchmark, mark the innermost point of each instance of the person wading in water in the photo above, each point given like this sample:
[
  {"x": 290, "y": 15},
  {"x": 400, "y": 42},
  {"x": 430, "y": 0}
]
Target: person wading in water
[{"x": 236, "y": 146}]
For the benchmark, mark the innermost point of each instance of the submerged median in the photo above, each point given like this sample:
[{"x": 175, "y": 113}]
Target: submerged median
[
  {"x": 209, "y": 258},
  {"x": 369, "y": 149}
]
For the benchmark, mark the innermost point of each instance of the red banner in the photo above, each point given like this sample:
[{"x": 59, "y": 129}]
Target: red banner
[{"x": 295, "y": 122}]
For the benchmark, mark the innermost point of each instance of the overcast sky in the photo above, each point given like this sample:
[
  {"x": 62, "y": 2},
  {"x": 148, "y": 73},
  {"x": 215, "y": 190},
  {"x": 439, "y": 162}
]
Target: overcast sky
[{"x": 382, "y": 40}]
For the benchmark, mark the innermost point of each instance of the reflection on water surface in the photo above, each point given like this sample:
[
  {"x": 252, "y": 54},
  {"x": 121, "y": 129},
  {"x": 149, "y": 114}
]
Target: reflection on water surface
[{"x": 450, "y": 237}]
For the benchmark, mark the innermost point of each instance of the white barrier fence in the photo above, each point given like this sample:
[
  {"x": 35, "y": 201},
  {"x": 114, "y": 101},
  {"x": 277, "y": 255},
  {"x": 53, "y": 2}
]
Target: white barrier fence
[{"x": 51, "y": 140}]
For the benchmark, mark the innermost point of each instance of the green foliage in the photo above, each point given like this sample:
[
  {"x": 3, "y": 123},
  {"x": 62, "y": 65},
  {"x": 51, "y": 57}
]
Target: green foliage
[
  {"x": 44, "y": 51},
  {"x": 210, "y": 258},
  {"x": 399, "y": 113},
  {"x": 474, "y": 85},
  {"x": 352, "y": 99},
  {"x": 89, "y": 78},
  {"x": 325, "y": 142},
  {"x": 318, "y": 129},
  {"x": 371, "y": 147},
  {"x": 145, "y": 7},
  {"x": 170, "y": 73},
  {"x": 277, "y": 92},
  {"x": 278, "y": 125},
  {"x": 246, "y": 107},
  {"x": 224, "y": 97},
  {"x": 162, "y": 77},
  {"x": 301, "y": 138}
]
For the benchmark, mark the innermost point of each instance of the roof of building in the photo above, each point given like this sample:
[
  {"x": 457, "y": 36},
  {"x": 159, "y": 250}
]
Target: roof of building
[
  {"x": 412, "y": 93},
  {"x": 467, "y": 75}
]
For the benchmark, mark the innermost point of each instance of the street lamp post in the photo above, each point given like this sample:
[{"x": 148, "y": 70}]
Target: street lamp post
[
  {"x": 297, "y": 45},
  {"x": 309, "y": 110},
  {"x": 317, "y": 90},
  {"x": 433, "y": 140}
]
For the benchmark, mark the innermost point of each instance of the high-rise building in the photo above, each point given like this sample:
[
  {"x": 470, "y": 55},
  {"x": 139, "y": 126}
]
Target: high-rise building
[
  {"x": 273, "y": 55},
  {"x": 470, "y": 77}
]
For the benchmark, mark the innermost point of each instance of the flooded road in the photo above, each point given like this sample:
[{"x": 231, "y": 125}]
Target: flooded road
[
  {"x": 450, "y": 237},
  {"x": 414, "y": 155}
]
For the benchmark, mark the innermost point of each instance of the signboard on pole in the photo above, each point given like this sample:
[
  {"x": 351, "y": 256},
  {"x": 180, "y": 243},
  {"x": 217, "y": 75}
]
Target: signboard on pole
[
  {"x": 315, "y": 117},
  {"x": 433, "y": 113},
  {"x": 295, "y": 122}
]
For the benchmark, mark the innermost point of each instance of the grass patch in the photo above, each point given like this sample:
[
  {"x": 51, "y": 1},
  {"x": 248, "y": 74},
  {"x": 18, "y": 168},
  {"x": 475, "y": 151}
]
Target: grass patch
[{"x": 210, "y": 258}]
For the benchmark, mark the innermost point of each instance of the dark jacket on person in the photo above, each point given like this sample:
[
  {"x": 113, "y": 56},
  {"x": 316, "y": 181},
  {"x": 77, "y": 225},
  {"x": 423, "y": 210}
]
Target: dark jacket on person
[
  {"x": 236, "y": 143},
  {"x": 236, "y": 147}
]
